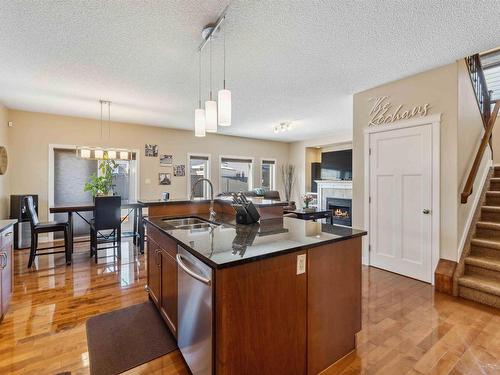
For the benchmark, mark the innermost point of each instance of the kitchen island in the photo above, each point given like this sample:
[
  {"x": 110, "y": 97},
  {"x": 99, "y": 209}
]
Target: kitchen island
[{"x": 282, "y": 296}]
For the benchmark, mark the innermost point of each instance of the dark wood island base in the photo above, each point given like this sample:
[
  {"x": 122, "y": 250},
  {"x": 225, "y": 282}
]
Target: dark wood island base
[{"x": 293, "y": 310}]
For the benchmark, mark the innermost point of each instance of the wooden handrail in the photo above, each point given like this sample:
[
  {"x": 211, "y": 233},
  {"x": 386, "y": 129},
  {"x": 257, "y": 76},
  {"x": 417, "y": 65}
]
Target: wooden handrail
[{"x": 480, "y": 152}]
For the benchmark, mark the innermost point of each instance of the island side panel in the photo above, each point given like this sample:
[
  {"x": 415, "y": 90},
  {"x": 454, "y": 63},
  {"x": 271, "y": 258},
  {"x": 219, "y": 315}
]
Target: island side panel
[
  {"x": 260, "y": 318},
  {"x": 334, "y": 302},
  {"x": 174, "y": 209}
]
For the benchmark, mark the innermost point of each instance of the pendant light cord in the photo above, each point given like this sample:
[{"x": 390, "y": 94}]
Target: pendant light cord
[
  {"x": 109, "y": 120},
  {"x": 224, "y": 81},
  {"x": 199, "y": 80},
  {"x": 210, "y": 68},
  {"x": 100, "y": 101}
]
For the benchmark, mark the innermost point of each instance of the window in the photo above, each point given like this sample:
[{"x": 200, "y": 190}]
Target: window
[
  {"x": 199, "y": 167},
  {"x": 268, "y": 175},
  {"x": 235, "y": 174}
]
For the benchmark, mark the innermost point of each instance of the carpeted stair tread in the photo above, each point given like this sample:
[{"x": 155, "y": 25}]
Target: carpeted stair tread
[
  {"x": 487, "y": 262},
  {"x": 488, "y": 224},
  {"x": 481, "y": 242},
  {"x": 491, "y": 208},
  {"x": 482, "y": 283}
]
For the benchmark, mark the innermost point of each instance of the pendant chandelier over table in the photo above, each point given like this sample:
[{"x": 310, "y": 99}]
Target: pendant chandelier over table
[{"x": 214, "y": 113}]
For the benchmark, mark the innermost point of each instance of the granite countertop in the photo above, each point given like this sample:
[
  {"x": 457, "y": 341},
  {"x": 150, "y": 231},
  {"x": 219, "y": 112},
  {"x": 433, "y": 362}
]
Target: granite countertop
[
  {"x": 258, "y": 202},
  {"x": 4, "y": 224},
  {"x": 230, "y": 244}
]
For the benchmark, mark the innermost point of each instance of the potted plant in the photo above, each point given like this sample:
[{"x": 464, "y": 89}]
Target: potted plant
[
  {"x": 308, "y": 198},
  {"x": 103, "y": 184}
]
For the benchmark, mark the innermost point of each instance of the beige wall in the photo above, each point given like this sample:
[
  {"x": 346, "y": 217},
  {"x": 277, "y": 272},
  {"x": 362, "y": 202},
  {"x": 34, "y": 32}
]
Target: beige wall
[
  {"x": 33, "y": 132},
  {"x": 438, "y": 87},
  {"x": 313, "y": 155},
  {"x": 4, "y": 179}
]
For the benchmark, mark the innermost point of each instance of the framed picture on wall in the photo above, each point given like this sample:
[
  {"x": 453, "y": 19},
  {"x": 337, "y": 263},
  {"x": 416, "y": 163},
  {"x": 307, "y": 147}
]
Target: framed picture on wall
[
  {"x": 180, "y": 170},
  {"x": 151, "y": 150},
  {"x": 165, "y": 178},
  {"x": 166, "y": 160}
]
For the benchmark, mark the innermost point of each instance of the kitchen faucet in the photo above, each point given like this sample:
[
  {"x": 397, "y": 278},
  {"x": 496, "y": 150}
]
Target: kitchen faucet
[{"x": 212, "y": 211}]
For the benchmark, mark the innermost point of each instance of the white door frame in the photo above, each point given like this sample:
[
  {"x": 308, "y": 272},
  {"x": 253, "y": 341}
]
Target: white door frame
[{"x": 435, "y": 122}]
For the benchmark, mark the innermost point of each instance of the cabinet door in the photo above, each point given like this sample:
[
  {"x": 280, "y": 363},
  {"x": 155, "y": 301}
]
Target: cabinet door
[
  {"x": 154, "y": 271},
  {"x": 6, "y": 274},
  {"x": 169, "y": 290}
]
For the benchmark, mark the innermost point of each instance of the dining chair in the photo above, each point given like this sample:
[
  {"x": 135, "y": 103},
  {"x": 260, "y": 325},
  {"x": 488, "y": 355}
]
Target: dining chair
[
  {"x": 38, "y": 227},
  {"x": 107, "y": 217}
]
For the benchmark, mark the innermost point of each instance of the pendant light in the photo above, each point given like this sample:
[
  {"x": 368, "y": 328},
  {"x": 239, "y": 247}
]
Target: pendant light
[
  {"x": 199, "y": 113},
  {"x": 211, "y": 105},
  {"x": 224, "y": 98}
]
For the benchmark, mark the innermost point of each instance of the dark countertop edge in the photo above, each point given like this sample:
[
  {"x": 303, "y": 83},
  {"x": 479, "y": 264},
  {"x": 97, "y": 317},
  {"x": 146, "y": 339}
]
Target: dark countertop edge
[
  {"x": 147, "y": 202},
  {"x": 4, "y": 224},
  {"x": 257, "y": 257}
]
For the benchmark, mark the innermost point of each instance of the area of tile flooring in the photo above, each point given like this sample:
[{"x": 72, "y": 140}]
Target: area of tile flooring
[{"x": 407, "y": 328}]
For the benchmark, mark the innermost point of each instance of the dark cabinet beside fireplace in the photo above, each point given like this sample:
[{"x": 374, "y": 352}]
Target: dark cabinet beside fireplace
[{"x": 341, "y": 210}]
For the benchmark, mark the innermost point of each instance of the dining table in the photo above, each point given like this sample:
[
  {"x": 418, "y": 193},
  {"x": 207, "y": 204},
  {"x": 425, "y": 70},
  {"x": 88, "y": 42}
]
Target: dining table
[{"x": 133, "y": 207}]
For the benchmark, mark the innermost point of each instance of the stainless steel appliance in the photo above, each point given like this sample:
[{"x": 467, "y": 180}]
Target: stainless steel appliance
[{"x": 195, "y": 315}]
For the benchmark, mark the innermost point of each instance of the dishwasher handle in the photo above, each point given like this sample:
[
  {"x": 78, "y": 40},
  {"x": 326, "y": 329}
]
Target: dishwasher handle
[{"x": 181, "y": 264}]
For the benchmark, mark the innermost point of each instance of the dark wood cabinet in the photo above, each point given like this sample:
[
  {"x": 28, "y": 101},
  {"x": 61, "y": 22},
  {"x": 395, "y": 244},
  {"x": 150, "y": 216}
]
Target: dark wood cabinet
[
  {"x": 154, "y": 271},
  {"x": 6, "y": 270},
  {"x": 162, "y": 275},
  {"x": 169, "y": 290}
]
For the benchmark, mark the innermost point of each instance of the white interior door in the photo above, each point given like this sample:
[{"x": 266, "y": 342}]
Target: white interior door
[{"x": 401, "y": 201}]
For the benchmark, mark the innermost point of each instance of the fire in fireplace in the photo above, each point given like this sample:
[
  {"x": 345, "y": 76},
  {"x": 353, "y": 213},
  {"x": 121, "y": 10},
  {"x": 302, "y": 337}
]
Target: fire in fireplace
[{"x": 341, "y": 209}]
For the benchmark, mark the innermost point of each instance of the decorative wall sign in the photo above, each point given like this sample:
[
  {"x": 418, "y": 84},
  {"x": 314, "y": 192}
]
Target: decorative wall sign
[
  {"x": 151, "y": 150},
  {"x": 180, "y": 170},
  {"x": 3, "y": 160},
  {"x": 165, "y": 178},
  {"x": 382, "y": 111},
  {"x": 165, "y": 160}
]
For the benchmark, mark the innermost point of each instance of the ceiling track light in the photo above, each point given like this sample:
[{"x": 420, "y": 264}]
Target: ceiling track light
[{"x": 282, "y": 127}]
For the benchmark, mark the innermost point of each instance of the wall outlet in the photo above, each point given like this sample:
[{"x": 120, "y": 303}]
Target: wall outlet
[
  {"x": 301, "y": 264},
  {"x": 147, "y": 181}
]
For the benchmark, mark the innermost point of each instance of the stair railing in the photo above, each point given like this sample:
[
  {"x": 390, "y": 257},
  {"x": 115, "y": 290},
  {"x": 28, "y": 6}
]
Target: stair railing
[
  {"x": 478, "y": 80},
  {"x": 480, "y": 152}
]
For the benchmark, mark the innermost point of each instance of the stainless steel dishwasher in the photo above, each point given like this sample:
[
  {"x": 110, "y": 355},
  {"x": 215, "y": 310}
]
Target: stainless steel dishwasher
[{"x": 195, "y": 325}]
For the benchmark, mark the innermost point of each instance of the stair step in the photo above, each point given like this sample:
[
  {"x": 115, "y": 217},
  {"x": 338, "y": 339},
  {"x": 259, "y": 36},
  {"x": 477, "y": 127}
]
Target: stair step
[
  {"x": 491, "y": 209},
  {"x": 481, "y": 283},
  {"x": 491, "y": 225},
  {"x": 481, "y": 242},
  {"x": 492, "y": 198},
  {"x": 487, "y": 262},
  {"x": 490, "y": 213}
]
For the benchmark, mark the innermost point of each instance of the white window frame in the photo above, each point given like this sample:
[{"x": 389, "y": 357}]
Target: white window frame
[
  {"x": 250, "y": 181},
  {"x": 273, "y": 187},
  {"x": 188, "y": 172}
]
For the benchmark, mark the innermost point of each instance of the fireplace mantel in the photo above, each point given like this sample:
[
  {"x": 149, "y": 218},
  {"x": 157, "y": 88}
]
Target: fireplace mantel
[{"x": 333, "y": 189}]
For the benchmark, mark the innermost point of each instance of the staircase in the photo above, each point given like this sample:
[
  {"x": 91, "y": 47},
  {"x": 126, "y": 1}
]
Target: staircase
[{"x": 481, "y": 279}]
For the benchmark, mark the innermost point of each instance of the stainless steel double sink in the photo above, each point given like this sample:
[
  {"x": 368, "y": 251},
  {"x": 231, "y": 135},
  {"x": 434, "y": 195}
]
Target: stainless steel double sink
[{"x": 189, "y": 223}]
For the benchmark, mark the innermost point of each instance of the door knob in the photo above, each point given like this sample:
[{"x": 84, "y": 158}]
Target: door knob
[{"x": 426, "y": 211}]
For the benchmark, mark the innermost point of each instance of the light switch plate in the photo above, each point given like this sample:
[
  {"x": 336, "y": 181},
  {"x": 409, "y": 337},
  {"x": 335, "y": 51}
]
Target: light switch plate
[
  {"x": 147, "y": 181},
  {"x": 301, "y": 264}
]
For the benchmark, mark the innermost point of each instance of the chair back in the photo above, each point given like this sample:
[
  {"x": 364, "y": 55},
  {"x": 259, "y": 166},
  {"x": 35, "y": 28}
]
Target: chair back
[
  {"x": 107, "y": 213},
  {"x": 272, "y": 194},
  {"x": 30, "y": 205}
]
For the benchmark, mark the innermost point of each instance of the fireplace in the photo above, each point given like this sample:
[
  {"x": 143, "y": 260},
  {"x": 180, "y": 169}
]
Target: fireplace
[{"x": 341, "y": 209}]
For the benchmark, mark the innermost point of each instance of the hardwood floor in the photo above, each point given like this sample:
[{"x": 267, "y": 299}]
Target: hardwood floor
[{"x": 407, "y": 328}]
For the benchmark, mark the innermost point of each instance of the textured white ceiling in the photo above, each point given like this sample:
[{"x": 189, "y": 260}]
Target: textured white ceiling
[{"x": 287, "y": 60}]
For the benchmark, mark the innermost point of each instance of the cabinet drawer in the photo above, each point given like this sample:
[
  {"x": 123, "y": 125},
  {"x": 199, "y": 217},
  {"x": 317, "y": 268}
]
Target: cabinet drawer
[
  {"x": 6, "y": 237},
  {"x": 165, "y": 242}
]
